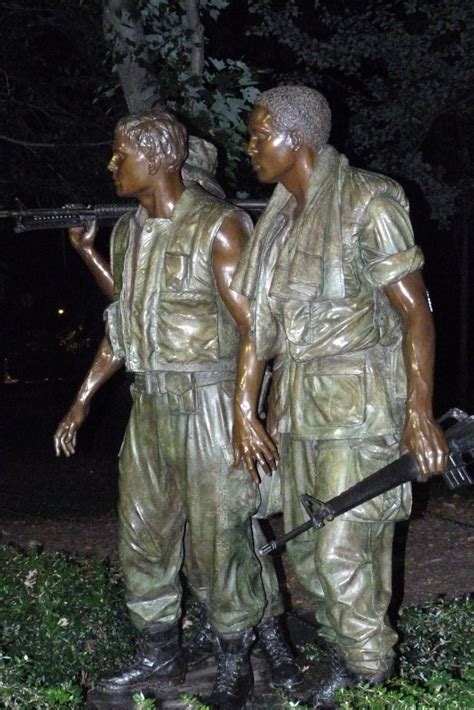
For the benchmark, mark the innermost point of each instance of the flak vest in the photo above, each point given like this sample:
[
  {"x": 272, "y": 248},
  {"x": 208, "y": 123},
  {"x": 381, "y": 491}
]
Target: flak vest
[
  {"x": 344, "y": 376},
  {"x": 190, "y": 328}
]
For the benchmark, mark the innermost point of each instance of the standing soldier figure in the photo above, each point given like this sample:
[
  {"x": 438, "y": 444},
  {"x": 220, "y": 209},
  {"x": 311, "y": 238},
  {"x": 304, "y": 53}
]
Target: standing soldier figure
[
  {"x": 175, "y": 323},
  {"x": 339, "y": 301}
]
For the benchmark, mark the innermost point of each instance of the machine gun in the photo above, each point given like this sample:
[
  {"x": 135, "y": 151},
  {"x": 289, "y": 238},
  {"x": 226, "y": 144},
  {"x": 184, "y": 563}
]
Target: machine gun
[
  {"x": 460, "y": 438},
  {"x": 26, "y": 220}
]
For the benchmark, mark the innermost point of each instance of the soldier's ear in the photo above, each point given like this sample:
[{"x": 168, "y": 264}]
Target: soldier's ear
[
  {"x": 296, "y": 138},
  {"x": 153, "y": 166}
]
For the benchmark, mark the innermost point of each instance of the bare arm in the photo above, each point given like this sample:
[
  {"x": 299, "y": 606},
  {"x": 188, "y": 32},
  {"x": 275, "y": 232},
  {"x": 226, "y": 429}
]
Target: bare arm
[
  {"x": 104, "y": 365},
  {"x": 82, "y": 241},
  {"x": 422, "y": 434},
  {"x": 250, "y": 440}
]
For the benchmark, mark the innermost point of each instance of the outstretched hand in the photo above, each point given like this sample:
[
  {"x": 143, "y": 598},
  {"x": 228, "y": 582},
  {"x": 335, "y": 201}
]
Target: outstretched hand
[
  {"x": 66, "y": 434},
  {"x": 253, "y": 445},
  {"x": 424, "y": 438}
]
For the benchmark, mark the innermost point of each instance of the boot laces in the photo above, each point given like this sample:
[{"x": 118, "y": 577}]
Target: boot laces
[
  {"x": 275, "y": 646},
  {"x": 228, "y": 674}
]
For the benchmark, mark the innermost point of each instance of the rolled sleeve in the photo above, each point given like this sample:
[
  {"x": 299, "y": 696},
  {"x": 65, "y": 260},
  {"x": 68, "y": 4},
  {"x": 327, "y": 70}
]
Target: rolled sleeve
[{"x": 387, "y": 243}]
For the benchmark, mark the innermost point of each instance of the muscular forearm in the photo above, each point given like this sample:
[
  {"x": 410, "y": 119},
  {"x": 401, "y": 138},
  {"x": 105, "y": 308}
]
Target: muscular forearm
[
  {"x": 104, "y": 365},
  {"x": 410, "y": 300},
  {"x": 251, "y": 442},
  {"x": 99, "y": 269},
  {"x": 418, "y": 353},
  {"x": 249, "y": 378},
  {"x": 422, "y": 434}
]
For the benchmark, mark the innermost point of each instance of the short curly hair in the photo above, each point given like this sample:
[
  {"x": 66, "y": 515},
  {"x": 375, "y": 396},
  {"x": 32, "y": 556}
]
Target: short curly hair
[
  {"x": 299, "y": 107},
  {"x": 159, "y": 135}
]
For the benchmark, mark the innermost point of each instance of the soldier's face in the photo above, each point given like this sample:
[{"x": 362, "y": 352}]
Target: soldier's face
[
  {"x": 130, "y": 168},
  {"x": 270, "y": 150}
]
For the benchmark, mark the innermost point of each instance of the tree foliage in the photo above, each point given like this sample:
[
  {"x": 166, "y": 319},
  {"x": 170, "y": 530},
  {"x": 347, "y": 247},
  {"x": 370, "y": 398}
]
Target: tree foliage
[
  {"x": 80, "y": 66},
  {"x": 213, "y": 95},
  {"x": 402, "y": 68}
]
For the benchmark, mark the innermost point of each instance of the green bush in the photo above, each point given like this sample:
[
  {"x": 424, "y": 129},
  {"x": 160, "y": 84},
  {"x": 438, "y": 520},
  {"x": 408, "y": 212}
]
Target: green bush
[
  {"x": 436, "y": 662},
  {"x": 63, "y": 622}
]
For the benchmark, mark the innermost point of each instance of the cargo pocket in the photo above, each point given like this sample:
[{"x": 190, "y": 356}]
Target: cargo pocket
[
  {"x": 337, "y": 399},
  {"x": 331, "y": 399},
  {"x": 181, "y": 392}
]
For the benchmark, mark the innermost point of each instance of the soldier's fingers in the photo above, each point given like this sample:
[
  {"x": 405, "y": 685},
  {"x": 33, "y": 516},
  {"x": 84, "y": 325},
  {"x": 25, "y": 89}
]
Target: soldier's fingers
[
  {"x": 91, "y": 227},
  {"x": 237, "y": 457},
  {"x": 58, "y": 439},
  {"x": 70, "y": 444},
  {"x": 272, "y": 447},
  {"x": 251, "y": 468},
  {"x": 67, "y": 447},
  {"x": 265, "y": 465},
  {"x": 424, "y": 466},
  {"x": 270, "y": 454}
]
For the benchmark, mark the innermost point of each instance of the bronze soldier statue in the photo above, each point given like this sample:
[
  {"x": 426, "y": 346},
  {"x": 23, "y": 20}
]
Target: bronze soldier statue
[
  {"x": 176, "y": 324},
  {"x": 339, "y": 303}
]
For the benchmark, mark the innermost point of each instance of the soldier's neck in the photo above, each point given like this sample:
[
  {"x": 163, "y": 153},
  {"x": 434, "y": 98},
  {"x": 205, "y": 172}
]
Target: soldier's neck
[
  {"x": 297, "y": 180},
  {"x": 162, "y": 199}
]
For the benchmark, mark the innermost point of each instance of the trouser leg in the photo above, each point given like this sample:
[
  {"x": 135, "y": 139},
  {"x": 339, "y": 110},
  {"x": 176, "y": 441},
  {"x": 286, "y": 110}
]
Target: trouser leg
[
  {"x": 353, "y": 565},
  {"x": 151, "y": 520},
  {"x": 220, "y": 502},
  {"x": 274, "y": 603},
  {"x": 346, "y": 565}
]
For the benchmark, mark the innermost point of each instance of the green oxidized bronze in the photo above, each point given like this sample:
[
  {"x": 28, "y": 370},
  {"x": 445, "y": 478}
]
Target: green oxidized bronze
[
  {"x": 173, "y": 323},
  {"x": 334, "y": 279}
]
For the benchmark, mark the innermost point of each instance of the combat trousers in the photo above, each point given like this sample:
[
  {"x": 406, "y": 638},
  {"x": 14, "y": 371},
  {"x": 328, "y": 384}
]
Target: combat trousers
[
  {"x": 347, "y": 565},
  {"x": 176, "y": 475}
]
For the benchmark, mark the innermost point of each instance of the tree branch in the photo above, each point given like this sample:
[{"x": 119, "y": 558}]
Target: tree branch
[
  {"x": 126, "y": 37},
  {"x": 31, "y": 144},
  {"x": 197, "y": 37}
]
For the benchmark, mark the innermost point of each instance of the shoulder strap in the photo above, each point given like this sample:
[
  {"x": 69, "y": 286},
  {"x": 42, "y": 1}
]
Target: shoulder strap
[{"x": 118, "y": 249}]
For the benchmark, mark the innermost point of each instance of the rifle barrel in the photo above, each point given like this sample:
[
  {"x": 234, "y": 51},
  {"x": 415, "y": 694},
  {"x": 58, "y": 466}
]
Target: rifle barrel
[{"x": 27, "y": 220}]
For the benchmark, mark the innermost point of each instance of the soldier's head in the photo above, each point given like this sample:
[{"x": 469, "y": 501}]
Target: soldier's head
[
  {"x": 283, "y": 121},
  {"x": 143, "y": 144}
]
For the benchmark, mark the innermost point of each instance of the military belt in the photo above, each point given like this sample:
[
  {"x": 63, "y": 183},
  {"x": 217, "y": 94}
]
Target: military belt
[{"x": 159, "y": 381}]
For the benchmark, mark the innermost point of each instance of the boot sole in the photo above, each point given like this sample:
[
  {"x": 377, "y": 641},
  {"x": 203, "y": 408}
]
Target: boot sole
[{"x": 103, "y": 699}]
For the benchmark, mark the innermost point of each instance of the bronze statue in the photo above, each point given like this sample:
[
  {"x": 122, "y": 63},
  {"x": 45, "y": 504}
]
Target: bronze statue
[
  {"x": 339, "y": 303},
  {"x": 176, "y": 324}
]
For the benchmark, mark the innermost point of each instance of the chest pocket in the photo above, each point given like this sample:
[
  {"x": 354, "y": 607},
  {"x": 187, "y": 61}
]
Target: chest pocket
[{"x": 176, "y": 271}]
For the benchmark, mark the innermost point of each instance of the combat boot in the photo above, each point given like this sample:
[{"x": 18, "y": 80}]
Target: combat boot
[
  {"x": 234, "y": 680},
  {"x": 284, "y": 670},
  {"x": 159, "y": 662},
  {"x": 333, "y": 675},
  {"x": 203, "y": 645}
]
